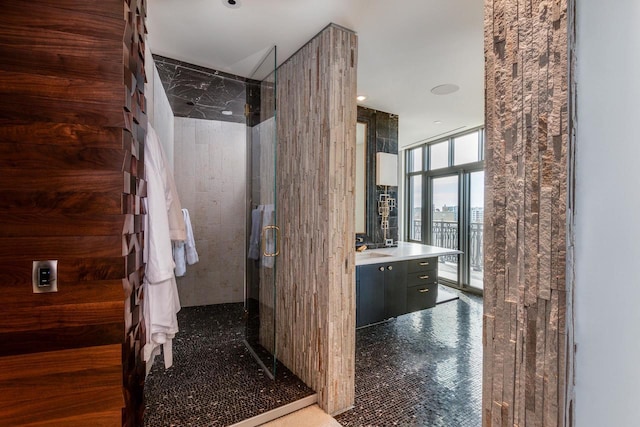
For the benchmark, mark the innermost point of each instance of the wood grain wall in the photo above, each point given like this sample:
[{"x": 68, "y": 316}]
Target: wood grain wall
[
  {"x": 525, "y": 319},
  {"x": 71, "y": 125},
  {"x": 315, "y": 307}
]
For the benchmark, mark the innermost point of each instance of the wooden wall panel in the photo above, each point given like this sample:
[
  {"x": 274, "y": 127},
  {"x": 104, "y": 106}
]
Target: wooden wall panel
[
  {"x": 135, "y": 191},
  {"x": 525, "y": 325},
  {"x": 315, "y": 307},
  {"x": 72, "y": 127}
]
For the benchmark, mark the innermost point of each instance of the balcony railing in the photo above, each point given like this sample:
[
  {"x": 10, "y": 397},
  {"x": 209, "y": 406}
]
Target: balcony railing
[{"x": 445, "y": 235}]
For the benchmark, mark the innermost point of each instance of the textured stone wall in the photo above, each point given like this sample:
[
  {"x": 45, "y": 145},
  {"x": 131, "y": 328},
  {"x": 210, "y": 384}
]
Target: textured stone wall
[
  {"x": 316, "y": 122},
  {"x": 527, "y": 138}
]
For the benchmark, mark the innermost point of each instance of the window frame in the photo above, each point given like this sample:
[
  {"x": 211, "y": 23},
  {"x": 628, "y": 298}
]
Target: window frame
[{"x": 462, "y": 171}]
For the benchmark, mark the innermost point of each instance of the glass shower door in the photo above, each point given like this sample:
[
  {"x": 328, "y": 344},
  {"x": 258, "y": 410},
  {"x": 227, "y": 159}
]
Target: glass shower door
[{"x": 263, "y": 244}]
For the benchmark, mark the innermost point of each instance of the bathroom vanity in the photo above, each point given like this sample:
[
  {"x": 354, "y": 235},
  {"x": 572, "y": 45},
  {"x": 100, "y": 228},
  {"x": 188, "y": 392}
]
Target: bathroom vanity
[{"x": 397, "y": 280}]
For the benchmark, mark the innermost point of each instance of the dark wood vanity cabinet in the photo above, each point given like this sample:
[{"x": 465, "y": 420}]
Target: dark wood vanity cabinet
[
  {"x": 370, "y": 281},
  {"x": 395, "y": 288},
  {"x": 422, "y": 284},
  {"x": 395, "y": 295}
]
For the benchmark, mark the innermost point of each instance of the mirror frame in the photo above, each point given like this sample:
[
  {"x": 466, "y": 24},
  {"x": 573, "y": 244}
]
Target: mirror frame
[
  {"x": 362, "y": 159},
  {"x": 370, "y": 180}
]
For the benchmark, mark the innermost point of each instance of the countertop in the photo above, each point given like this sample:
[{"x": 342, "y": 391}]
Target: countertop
[{"x": 404, "y": 251}]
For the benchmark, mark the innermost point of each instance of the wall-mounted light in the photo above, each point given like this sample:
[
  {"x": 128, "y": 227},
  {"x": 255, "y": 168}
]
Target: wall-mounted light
[
  {"x": 386, "y": 175},
  {"x": 386, "y": 169}
]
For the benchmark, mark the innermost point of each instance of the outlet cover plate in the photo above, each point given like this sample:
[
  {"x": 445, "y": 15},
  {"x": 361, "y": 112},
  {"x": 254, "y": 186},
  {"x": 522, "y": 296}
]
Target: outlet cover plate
[{"x": 52, "y": 265}]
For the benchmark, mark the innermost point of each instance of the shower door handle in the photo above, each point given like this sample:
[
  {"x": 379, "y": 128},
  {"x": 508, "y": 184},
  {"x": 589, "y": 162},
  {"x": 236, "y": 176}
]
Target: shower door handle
[{"x": 276, "y": 241}]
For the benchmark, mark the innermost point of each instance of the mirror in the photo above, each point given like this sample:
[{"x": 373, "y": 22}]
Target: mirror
[{"x": 361, "y": 178}]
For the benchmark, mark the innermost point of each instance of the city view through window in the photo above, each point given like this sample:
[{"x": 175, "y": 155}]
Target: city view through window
[{"x": 449, "y": 195}]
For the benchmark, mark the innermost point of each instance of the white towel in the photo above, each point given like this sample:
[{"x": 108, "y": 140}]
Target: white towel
[
  {"x": 270, "y": 242},
  {"x": 254, "y": 240},
  {"x": 179, "y": 258},
  {"x": 185, "y": 252},
  {"x": 190, "y": 243}
]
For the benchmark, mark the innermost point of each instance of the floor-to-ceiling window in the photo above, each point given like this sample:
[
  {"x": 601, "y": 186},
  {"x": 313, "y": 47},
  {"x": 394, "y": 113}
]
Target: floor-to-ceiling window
[{"x": 445, "y": 203}]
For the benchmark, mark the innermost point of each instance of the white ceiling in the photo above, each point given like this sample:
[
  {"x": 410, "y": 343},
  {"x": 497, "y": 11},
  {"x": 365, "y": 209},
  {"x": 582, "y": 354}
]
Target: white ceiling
[{"x": 406, "y": 47}]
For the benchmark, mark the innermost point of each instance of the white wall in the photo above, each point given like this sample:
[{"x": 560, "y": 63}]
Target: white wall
[
  {"x": 607, "y": 293},
  {"x": 210, "y": 171}
]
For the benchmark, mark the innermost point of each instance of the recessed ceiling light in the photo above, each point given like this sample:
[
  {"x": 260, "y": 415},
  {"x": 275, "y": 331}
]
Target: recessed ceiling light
[
  {"x": 233, "y": 4},
  {"x": 227, "y": 112},
  {"x": 445, "y": 89},
  {"x": 361, "y": 98},
  {"x": 438, "y": 122}
]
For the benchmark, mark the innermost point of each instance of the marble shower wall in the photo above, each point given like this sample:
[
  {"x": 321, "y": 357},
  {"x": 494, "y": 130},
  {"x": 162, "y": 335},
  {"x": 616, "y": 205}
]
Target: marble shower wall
[
  {"x": 382, "y": 136},
  {"x": 210, "y": 172},
  {"x": 203, "y": 93}
]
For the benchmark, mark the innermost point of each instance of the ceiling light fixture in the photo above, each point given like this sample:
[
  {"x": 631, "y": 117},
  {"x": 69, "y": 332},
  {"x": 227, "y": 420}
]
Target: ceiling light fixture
[
  {"x": 437, "y": 122},
  {"x": 445, "y": 89},
  {"x": 361, "y": 98},
  {"x": 233, "y": 4},
  {"x": 227, "y": 112}
]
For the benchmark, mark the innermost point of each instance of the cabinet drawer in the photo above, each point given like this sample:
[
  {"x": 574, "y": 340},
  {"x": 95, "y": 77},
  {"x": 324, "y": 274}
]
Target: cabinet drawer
[
  {"x": 427, "y": 277},
  {"x": 422, "y": 264},
  {"x": 421, "y": 297}
]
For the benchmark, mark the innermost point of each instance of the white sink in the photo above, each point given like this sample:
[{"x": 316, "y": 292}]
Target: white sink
[{"x": 368, "y": 254}]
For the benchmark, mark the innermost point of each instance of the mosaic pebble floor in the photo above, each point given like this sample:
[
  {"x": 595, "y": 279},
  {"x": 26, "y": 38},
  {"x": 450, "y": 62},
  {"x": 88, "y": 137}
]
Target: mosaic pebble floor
[
  {"x": 421, "y": 369},
  {"x": 214, "y": 380}
]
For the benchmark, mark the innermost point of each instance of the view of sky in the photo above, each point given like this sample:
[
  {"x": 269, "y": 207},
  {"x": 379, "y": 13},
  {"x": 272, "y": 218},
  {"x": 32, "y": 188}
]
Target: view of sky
[{"x": 445, "y": 191}]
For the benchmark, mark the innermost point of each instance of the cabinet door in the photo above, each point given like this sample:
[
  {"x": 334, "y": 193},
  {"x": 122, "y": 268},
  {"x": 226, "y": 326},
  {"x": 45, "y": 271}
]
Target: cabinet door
[
  {"x": 358, "y": 310},
  {"x": 371, "y": 296},
  {"x": 395, "y": 289}
]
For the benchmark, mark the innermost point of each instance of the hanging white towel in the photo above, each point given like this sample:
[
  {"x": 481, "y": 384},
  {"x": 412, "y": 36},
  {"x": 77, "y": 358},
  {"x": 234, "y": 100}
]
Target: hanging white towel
[
  {"x": 161, "y": 301},
  {"x": 190, "y": 243},
  {"x": 185, "y": 252},
  {"x": 269, "y": 243},
  {"x": 254, "y": 240},
  {"x": 179, "y": 258}
]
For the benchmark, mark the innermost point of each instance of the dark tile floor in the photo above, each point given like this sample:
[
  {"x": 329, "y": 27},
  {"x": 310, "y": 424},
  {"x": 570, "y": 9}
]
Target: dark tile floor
[
  {"x": 214, "y": 380},
  {"x": 421, "y": 369}
]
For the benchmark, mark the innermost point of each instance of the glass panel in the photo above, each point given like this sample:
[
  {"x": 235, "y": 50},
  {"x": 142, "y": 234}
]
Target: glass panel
[
  {"x": 476, "y": 229},
  {"x": 415, "y": 208},
  {"x": 260, "y": 289},
  {"x": 439, "y": 155},
  {"x": 444, "y": 223},
  {"x": 415, "y": 160},
  {"x": 465, "y": 149}
]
